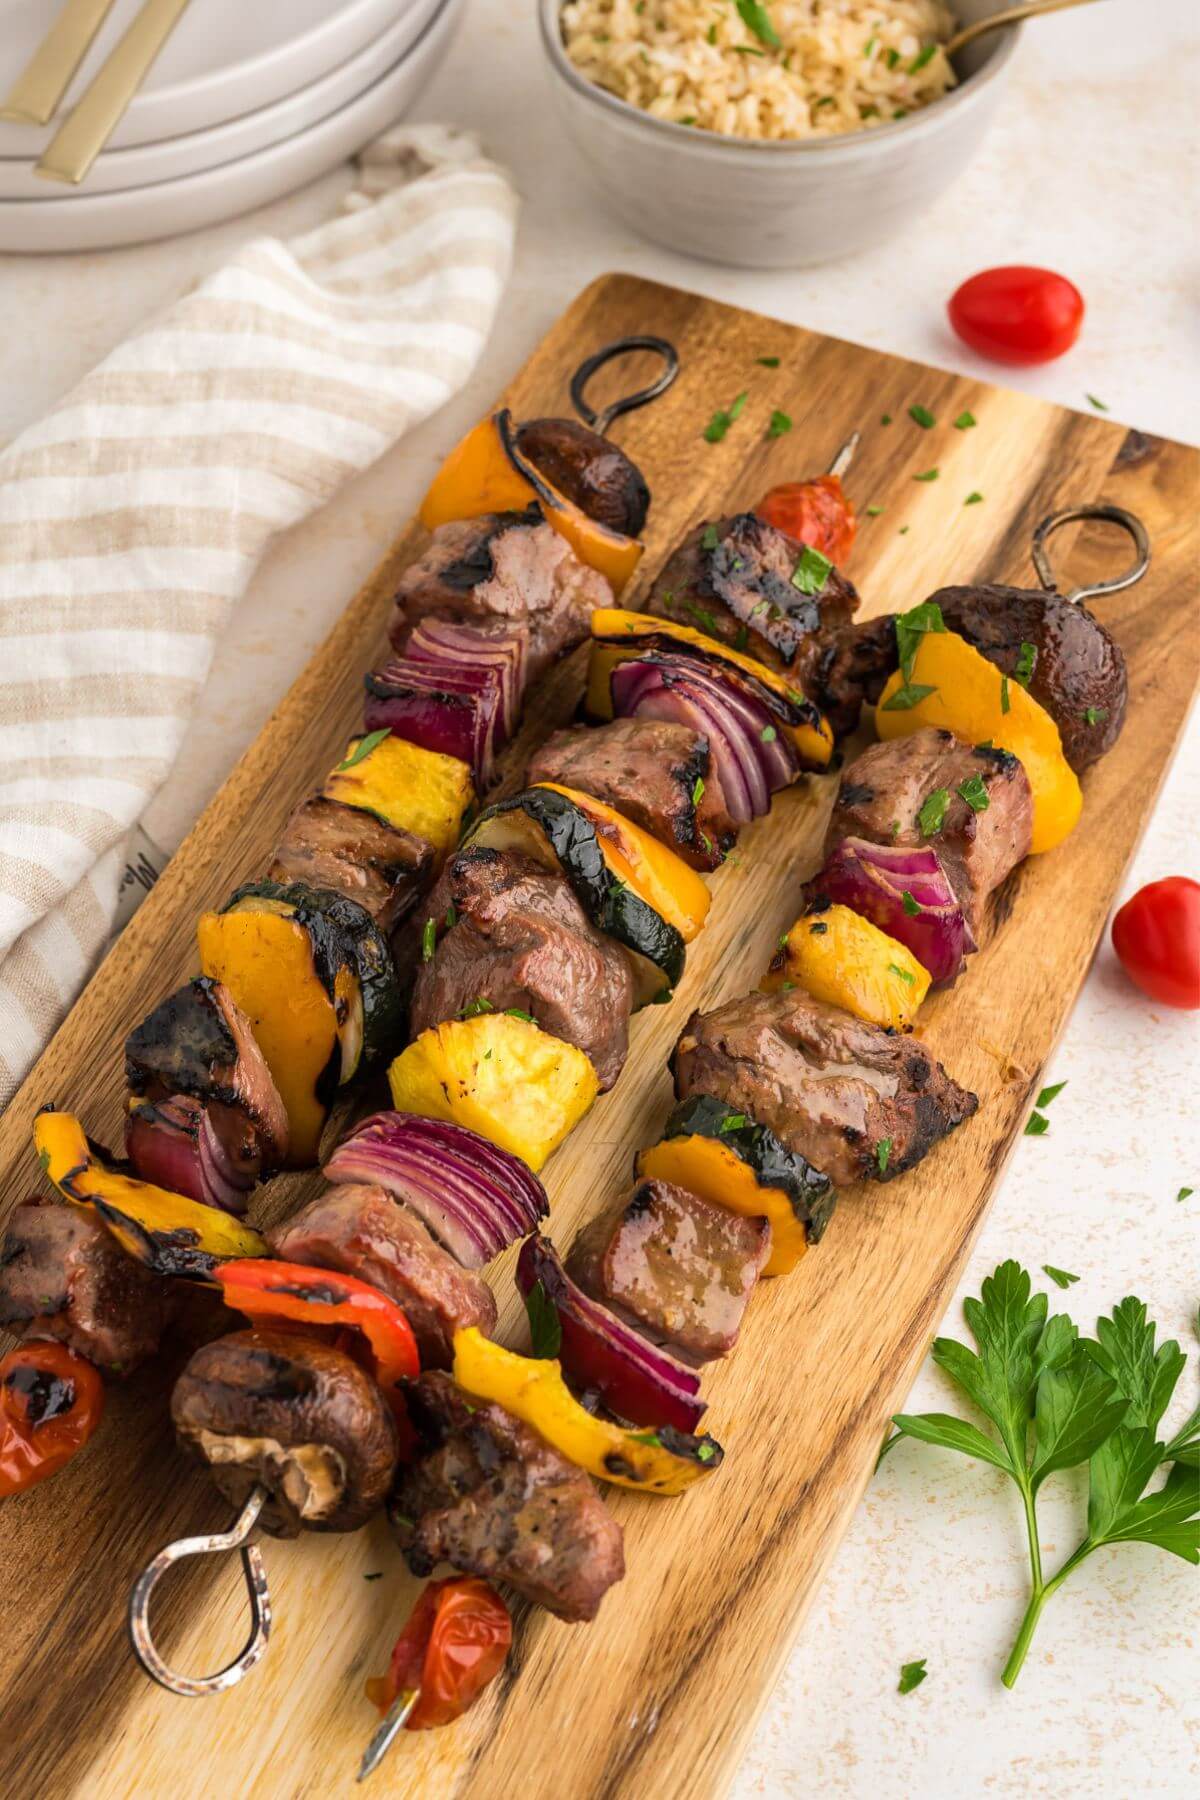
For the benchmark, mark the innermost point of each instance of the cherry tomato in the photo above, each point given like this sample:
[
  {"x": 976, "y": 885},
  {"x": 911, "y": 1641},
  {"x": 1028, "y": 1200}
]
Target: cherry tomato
[
  {"x": 1017, "y": 314},
  {"x": 51, "y": 1402},
  {"x": 1157, "y": 937},
  {"x": 454, "y": 1643},
  {"x": 818, "y": 512}
]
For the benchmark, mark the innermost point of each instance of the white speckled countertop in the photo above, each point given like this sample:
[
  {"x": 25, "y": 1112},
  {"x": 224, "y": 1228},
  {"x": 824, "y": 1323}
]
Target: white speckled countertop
[{"x": 1093, "y": 170}]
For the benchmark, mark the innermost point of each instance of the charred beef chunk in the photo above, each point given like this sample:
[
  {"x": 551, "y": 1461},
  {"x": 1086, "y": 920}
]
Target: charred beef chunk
[
  {"x": 586, "y": 468},
  {"x": 852, "y": 670},
  {"x": 362, "y": 1231},
  {"x": 518, "y": 937},
  {"x": 198, "y": 1042},
  {"x": 657, "y": 773},
  {"x": 679, "y": 1268},
  {"x": 883, "y": 790},
  {"x": 1077, "y": 665},
  {"x": 737, "y": 580},
  {"x": 345, "y": 850},
  {"x": 493, "y": 1498},
  {"x": 63, "y": 1275},
  {"x": 829, "y": 1085},
  {"x": 507, "y": 566},
  {"x": 295, "y": 1415}
]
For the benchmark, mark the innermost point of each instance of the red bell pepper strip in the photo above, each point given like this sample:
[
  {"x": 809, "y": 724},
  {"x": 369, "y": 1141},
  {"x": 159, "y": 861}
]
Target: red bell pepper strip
[
  {"x": 51, "y": 1402},
  {"x": 454, "y": 1643},
  {"x": 265, "y": 1289}
]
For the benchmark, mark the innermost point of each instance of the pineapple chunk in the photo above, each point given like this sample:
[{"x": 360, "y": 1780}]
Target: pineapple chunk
[
  {"x": 840, "y": 957},
  {"x": 415, "y": 790},
  {"x": 502, "y": 1076}
]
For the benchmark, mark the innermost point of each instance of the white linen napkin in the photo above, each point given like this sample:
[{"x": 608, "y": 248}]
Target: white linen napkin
[{"x": 132, "y": 516}]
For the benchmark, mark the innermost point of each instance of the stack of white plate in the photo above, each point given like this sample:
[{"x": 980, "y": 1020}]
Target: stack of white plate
[{"x": 246, "y": 102}]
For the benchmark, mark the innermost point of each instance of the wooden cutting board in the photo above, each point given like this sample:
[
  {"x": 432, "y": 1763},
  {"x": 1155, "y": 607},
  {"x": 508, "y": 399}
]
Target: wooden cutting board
[{"x": 659, "y": 1696}]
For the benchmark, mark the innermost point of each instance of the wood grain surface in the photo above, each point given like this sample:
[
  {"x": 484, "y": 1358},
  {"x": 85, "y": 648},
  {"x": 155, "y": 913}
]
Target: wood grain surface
[{"x": 659, "y": 1696}]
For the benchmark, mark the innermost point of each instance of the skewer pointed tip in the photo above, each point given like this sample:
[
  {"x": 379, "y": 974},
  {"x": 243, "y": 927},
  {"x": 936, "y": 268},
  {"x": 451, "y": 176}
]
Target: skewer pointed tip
[
  {"x": 388, "y": 1730},
  {"x": 845, "y": 455}
]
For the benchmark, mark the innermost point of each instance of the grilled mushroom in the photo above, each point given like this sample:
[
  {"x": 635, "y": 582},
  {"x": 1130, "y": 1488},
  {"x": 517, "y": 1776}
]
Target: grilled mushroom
[
  {"x": 295, "y": 1415},
  {"x": 586, "y": 468}
]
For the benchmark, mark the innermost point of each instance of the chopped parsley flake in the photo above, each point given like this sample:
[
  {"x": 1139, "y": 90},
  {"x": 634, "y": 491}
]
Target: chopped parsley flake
[
  {"x": 768, "y": 734},
  {"x": 932, "y": 815},
  {"x": 811, "y": 572},
  {"x": 926, "y": 475},
  {"x": 873, "y": 512},
  {"x": 473, "y": 1008},
  {"x": 923, "y": 56},
  {"x": 780, "y": 424},
  {"x": 514, "y": 1012},
  {"x": 1037, "y": 1125},
  {"x": 1060, "y": 1277},
  {"x": 905, "y": 975},
  {"x": 974, "y": 498},
  {"x": 1095, "y": 715},
  {"x": 702, "y": 618},
  {"x": 697, "y": 790},
  {"x": 887, "y": 417},
  {"x": 733, "y": 1121},
  {"x": 1184, "y": 1193},
  {"x": 710, "y": 539},
  {"x": 964, "y": 421},
  {"x": 767, "y": 362},
  {"x": 363, "y": 748},
  {"x": 1005, "y": 702},
  {"x": 1025, "y": 664},
  {"x": 1098, "y": 404},
  {"x": 912, "y": 1674},
  {"x": 922, "y": 416},
  {"x": 1050, "y": 1093},
  {"x": 883, "y": 1150},
  {"x": 723, "y": 418},
  {"x": 428, "y": 940},
  {"x": 911, "y": 906},
  {"x": 974, "y": 791},
  {"x": 905, "y": 698},
  {"x": 705, "y": 1450}
]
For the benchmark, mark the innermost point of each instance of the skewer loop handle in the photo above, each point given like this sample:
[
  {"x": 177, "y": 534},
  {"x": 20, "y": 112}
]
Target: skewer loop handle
[
  {"x": 600, "y": 421},
  {"x": 1070, "y": 515}
]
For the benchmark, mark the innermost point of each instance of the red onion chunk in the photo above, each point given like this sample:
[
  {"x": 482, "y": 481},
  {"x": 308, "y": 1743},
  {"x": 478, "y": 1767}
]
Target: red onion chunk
[
  {"x": 636, "y": 1380},
  {"x": 474, "y": 1197},
  {"x": 446, "y": 644},
  {"x": 873, "y": 879},
  {"x": 176, "y": 1145},
  {"x": 454, "y": 713}
]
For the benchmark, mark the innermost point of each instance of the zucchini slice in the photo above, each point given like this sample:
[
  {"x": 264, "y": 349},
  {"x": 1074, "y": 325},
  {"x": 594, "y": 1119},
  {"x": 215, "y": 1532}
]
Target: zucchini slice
[
  {"x": 726, "y": 1158},
  {"x": 651, "y": 869},
  {"x": 619, "y": 635},
  {"x": 500, "y": 1075},
  {"x": 314, "y": 975},
  {"x": 407, "y": 787},
  {"x": 549, "y": 825}
]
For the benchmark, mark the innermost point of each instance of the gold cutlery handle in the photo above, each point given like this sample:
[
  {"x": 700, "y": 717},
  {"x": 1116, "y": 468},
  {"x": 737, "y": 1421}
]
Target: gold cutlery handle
[
  {"x": 78, "y": 142},
  {"x": 48, "y": 74}
]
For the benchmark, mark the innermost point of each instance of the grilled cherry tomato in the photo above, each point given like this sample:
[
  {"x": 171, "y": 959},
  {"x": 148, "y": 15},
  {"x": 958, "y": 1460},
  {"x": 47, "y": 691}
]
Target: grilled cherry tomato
[
  {"x": 264, "y": 1289},
  {"x": 51, "y": 1402},
  {"x": 1017, "y": 314},
  {"x": 1157, "y": 937},
  {"x": 818, "y": 512},
  {"x": 455, "y": 1642}
]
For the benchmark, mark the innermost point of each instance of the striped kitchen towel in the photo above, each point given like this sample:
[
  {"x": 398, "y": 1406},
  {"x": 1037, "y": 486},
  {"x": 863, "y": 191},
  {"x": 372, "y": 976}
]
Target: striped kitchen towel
[{"x": 132, "y": 516}]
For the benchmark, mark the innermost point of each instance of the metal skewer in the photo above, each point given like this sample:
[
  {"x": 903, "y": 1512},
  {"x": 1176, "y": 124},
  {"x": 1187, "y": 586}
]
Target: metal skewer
[
  {"x": 144, "y": 1648},
  {"x": 600, "y": 421},
  {"x": 1112, "y": 515},
  {"x": 389, "y": 1729}
]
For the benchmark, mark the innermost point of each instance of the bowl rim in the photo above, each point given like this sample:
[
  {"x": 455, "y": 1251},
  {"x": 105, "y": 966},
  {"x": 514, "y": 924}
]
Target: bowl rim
[{"x": 715, "y": 143}]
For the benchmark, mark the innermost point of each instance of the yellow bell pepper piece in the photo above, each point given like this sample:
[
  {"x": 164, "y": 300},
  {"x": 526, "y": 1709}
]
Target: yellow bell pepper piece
[
  {"x": 969, "y": 698},
  {"x": 487, "y": 473},
  {"x": 167, "y": 1232},
  {"x": 534, "y": 1391},
  {"x": 500, "y": 1075},
  {"x": 659, "y": 877},
  {"x": 417, "y": 790},
  {"x": 841, "y": 958},
  {"x": 615, "y": 639},
  {"x": 714, "y": 1172}
]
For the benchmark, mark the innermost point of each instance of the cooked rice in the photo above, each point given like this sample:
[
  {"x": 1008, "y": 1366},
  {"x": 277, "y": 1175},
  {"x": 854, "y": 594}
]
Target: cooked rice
[{"x": 840, "y": 64}]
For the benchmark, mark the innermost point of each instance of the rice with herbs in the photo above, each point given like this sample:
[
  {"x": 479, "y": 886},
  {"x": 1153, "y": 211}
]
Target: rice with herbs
[{"x": 765, "y": 68}]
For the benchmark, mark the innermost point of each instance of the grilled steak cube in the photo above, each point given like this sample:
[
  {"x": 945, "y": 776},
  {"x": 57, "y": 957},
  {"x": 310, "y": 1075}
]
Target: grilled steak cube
[
  {"x": 519, "y": 938},
  {"x": 362, "y": 1231},
  {"x": 855, "y": 1100},
  {"x": 507, "y": 566},
  {"x": 198, "y": 1042},
  {"x": 883, "y": 790},
  {"x": 657, "y": 773},
  {"x": 345, "y": 850},
  {"x": 63, "y": 1275},
  {"x": 491, "y": 1497},
  {"x": 852, "y": 669},
  {"x": 737, "y": 580},
  {"x": 679, "y": 1268}
]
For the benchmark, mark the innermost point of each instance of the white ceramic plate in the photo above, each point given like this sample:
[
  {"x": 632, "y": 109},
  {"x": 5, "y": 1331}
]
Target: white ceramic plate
[
  {"x": 192, "y": 154},
  {"x": 103, "y": 221},
  {"x": 224, "y": 58}
]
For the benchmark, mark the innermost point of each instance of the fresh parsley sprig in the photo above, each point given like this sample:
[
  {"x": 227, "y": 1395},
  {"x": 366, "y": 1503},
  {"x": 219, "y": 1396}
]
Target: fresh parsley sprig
[{"x": 1057, "y": 1400}]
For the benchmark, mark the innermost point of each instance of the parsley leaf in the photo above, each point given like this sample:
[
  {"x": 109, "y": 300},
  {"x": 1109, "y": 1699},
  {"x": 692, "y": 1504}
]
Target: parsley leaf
[
  {"x": 974, "y": 791},
  {"x": 932, "y": 815},
  {"x": 363, "y": 748},
  {"x": 545, "y": 1326},
  {"x": 922, "y": 416},
  {"x": 1050, "y": 1093},
  {"x": 1036, "y": 1125},
  {"x": 811, "y": 572},
  {"x": 1185, "y": 1193},
  {"x": 911, "y": 627},
  {"x": 965, "y": 421},
  {"x": 908, "y": 696},
  {"x": 911, "y": 1676},
  {"x": 722, "y": 419},
  {"x": 780, "y": 424},
  {"x": 755, "y": 18},
  {"x": 1060, "y": 1277}
]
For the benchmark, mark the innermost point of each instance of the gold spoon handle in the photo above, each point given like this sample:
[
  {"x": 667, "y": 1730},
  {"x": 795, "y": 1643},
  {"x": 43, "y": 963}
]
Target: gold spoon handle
[
  {"x": 78, "y": 142},
  {"x": 50, "y": 70},
  {"x": 1012, "y": 15}
]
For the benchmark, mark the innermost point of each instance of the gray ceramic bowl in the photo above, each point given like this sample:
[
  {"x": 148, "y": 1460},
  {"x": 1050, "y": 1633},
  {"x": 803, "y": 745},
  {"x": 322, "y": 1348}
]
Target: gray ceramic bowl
[{"x": 777, "y": 205}]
